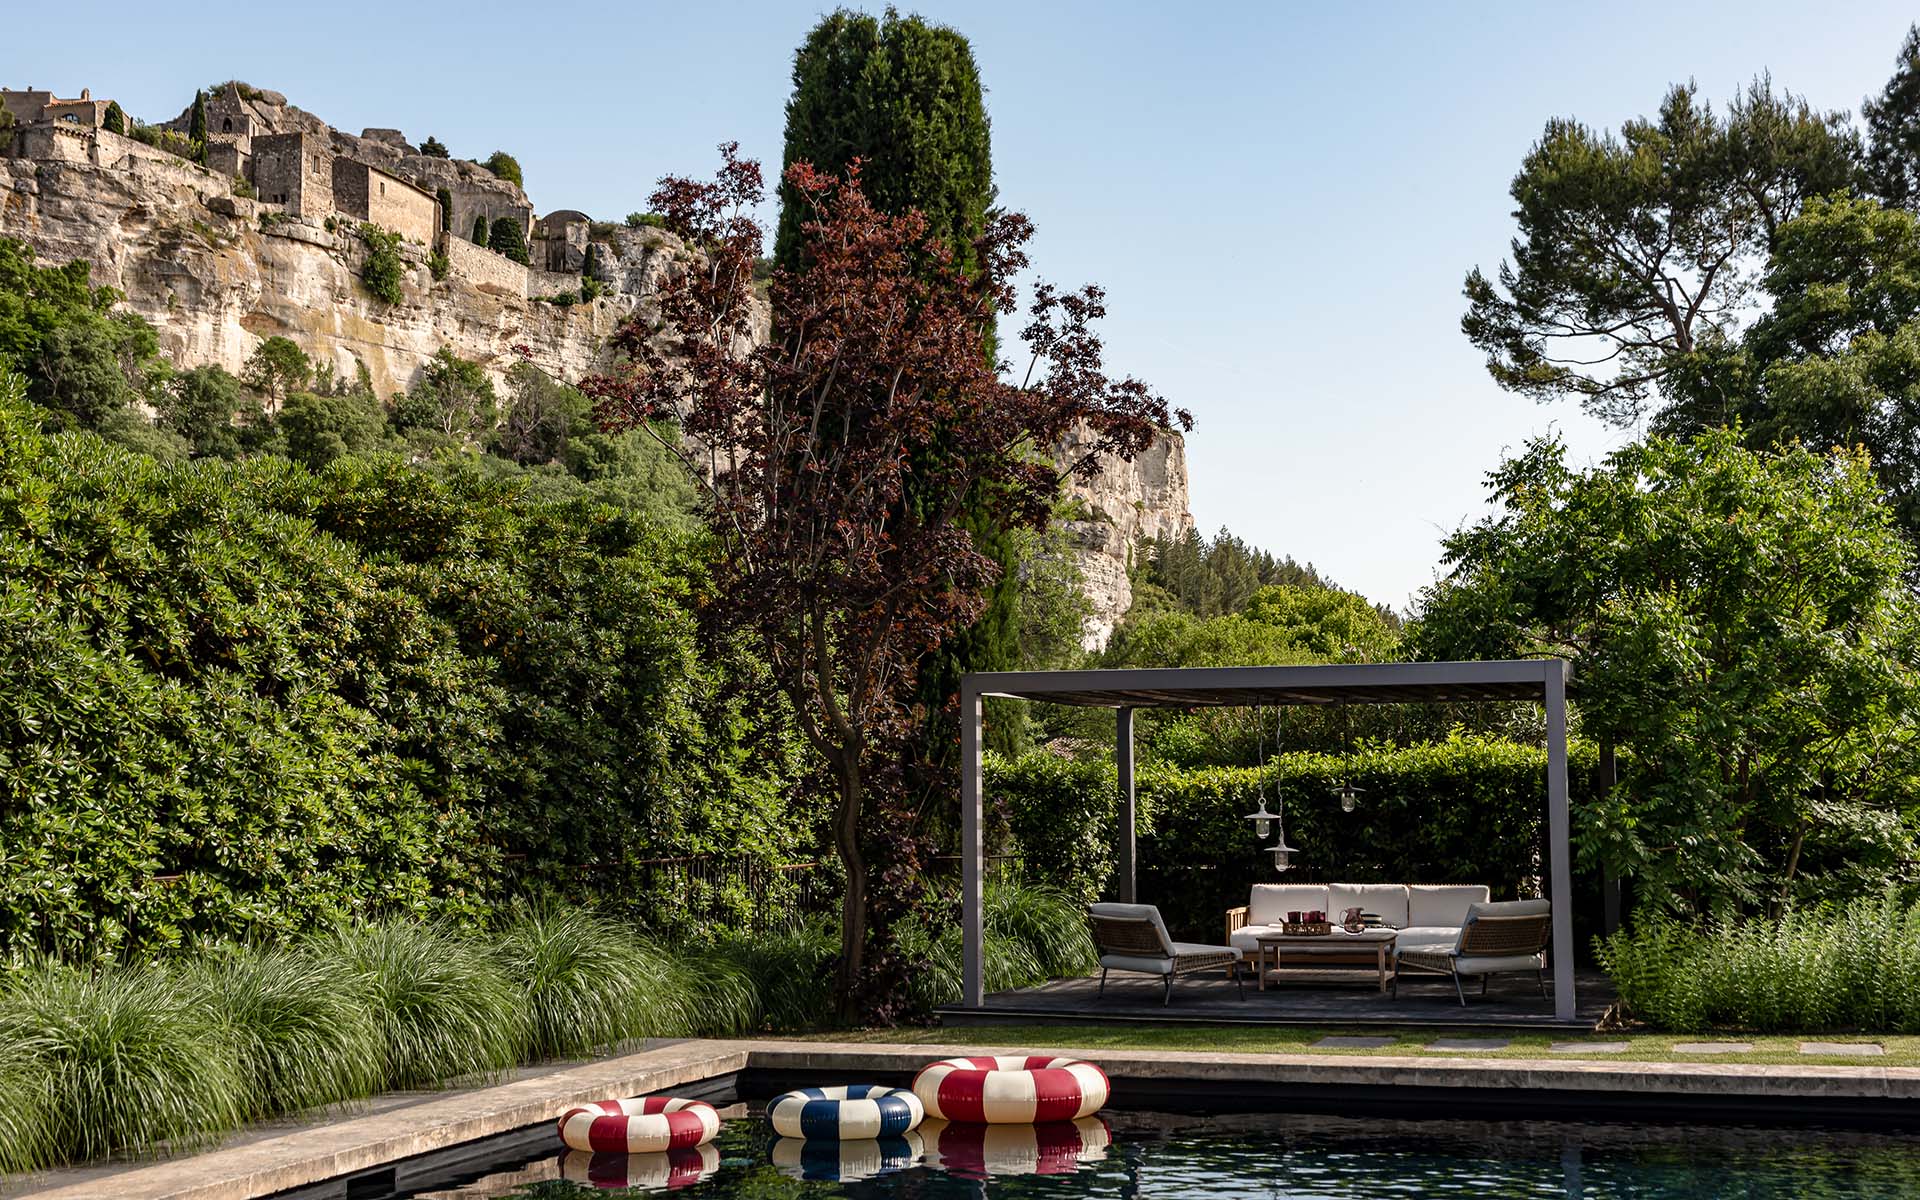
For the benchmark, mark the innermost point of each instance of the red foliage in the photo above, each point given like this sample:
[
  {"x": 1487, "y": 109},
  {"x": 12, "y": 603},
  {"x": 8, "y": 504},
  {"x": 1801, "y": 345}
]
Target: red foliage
[{"x": 838, "y": 456}]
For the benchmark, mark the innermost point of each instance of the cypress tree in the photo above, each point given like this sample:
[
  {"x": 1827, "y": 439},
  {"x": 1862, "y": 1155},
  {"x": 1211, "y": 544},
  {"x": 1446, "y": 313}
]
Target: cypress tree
[
  {"x": 480, "y": 230},
  {"x": 506, "y": 238},
  {"x": 591, "y": 267},
  {"x": 445, "y": 198},
  {"x": 116, "y": 120},
  {"x": 904, "y": 97},
  {"x": 197, "y": 123}
]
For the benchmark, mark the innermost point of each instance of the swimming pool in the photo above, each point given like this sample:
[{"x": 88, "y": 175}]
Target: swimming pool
[{"x": 1224, "y": 1157}]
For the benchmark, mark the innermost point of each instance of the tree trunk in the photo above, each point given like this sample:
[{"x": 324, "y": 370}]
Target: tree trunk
[{"x": 853, "y": 906}]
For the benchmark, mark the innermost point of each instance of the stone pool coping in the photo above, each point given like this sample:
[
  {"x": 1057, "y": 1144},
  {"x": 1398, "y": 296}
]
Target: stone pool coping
[{"x": 359, "y": 1143}]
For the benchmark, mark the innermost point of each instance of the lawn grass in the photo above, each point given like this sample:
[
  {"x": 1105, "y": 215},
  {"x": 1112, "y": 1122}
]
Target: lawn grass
[{"x": 1901, "y": 1050}]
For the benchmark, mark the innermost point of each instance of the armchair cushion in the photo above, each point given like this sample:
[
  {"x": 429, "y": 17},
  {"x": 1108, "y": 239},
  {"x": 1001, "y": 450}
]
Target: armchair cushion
[
  {"x": 1490, "y": 966},
  {"x": 1133, "y": 962},
  {"x": 1135, "y": 912}
]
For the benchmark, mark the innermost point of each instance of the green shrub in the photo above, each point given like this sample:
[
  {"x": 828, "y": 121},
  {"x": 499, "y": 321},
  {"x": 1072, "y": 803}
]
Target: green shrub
[
  {"x": 506, "y": 166},
  {"x": 242, "y": 188},
  {"x": 1826, "y": 968},
  {"x": 438, "y": 265},
  {"x": 640, "y": 220},
  {"x": 1467, "y": 809},
  {"x": 441, "y": 1002},
  {"x": 127, "y": 1057},
  {"x": 383, "y": 272},
  {"x": 505, "y": 237}
]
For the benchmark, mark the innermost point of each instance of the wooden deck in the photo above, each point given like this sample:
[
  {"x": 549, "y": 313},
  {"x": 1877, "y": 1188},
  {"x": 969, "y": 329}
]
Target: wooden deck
[{"x": 1319, "y": 998}]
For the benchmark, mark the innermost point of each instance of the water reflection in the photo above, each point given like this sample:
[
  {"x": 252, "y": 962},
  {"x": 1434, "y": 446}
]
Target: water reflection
[
  {"x": 1270, "y": 1157},
  {"x": 1053, "y": 1148},
  {"x": 855, "y": 1158},
  {"x": 666, "y": 1170}
]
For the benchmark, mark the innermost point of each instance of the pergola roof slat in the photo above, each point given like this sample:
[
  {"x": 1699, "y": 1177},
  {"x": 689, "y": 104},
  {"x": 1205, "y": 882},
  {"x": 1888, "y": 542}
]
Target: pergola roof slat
[{"x": 1343, "y": 683}]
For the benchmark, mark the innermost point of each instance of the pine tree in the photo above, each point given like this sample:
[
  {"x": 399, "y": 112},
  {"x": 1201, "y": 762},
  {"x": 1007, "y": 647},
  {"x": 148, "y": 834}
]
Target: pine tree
[
  {"x": 445, "y": 198},
  {"x": 1893, "y": 130},
  {"x": 904, "y": 97},
  {"x": 116, "y": 119},
  {"x": 433, "y": 147},
  {"x": 507, "y": 239},
  {"x": 480, "y": 230}
]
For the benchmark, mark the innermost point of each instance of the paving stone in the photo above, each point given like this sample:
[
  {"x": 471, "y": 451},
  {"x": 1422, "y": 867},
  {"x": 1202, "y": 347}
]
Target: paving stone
[
  {"x": 1712, "y": 1047},
  {"x": 1851, "y": 1049},
  {"x": 1469, "y": 1044},
  {"x": 1352, "y": 1043},
  {"x": 1590, "y": 1047}
]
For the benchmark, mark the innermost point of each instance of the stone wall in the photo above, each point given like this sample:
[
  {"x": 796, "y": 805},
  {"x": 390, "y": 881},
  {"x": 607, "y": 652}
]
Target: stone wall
[
  {"x": 486, "y": 269},
  {"x": 551, "y": 283}
]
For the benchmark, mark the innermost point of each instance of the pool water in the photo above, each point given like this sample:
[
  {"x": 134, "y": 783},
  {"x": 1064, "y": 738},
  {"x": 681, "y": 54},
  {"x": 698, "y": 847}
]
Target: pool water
[{"x": 1220, "y": 1157}]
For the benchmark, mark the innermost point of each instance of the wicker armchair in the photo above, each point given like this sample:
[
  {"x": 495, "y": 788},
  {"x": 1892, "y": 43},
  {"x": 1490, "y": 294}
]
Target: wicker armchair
[
  {"x": 1132, "y": 937},
  {"x": 1501, "y": 938}
]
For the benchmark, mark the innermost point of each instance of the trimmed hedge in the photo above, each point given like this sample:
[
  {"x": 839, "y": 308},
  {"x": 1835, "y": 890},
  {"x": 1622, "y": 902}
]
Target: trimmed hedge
[
  {"x": 1466, "y": 810},
  {"x": 245, "y": 700}
]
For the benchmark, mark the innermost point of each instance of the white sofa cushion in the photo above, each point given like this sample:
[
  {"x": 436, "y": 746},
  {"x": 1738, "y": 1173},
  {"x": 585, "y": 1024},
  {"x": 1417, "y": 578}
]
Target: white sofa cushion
[
  {"x": 1270, "y": 903},
  {"x": 1243, "y": 937},
  {"x": 1443, "y": 903},
  {"x": 1509, "y": 908},
  {"x": 1387, "y": 900},
  {"x": 1110, "y": 908}
]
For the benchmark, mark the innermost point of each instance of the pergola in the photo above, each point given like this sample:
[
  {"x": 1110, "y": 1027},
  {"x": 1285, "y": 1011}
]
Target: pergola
[{"x": 1524, "y": 680}]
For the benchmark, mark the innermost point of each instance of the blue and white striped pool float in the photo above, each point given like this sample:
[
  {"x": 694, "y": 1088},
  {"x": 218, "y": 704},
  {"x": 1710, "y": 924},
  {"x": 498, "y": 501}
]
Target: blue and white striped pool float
[
  {"x": 848, "y": 1160},
  {"x": 855, "y": 1110}
]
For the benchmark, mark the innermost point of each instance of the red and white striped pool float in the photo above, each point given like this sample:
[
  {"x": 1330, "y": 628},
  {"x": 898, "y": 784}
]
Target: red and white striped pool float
[
  {"x": 1011, "y": 1089},
  {"x": 642, "y": 1125},
  {"x": 1052, "y": 1148},
  {"x": 667, "y": 1170}
]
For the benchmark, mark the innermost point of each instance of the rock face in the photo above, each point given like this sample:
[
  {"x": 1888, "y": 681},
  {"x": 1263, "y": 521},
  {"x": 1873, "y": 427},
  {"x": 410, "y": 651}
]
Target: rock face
[
  {"x": 1126, "y": 502},
  {"x": 216, "y": 274}
]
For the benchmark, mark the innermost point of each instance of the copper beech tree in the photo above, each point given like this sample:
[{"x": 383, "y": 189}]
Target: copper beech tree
[{"x": 837, "y": 458}]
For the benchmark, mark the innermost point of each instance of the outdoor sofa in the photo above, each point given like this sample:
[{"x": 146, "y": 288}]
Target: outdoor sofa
[
  {"x": 1132, "y": 937},
  {"x": 1450, "y": 929}
]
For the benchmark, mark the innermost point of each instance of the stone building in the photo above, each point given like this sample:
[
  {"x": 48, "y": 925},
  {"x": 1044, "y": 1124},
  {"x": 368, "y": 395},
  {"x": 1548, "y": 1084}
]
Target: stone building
[
  {"x": 367, "y": 193},
  {"x": 559, "y": 241},
  {"x": 294, "y": 170},
  {"x": 32, "y": 106}
]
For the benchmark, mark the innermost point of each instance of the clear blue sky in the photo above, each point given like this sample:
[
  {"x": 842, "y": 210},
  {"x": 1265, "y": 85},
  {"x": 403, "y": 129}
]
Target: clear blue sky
[{"x": 1281, "y": 200}]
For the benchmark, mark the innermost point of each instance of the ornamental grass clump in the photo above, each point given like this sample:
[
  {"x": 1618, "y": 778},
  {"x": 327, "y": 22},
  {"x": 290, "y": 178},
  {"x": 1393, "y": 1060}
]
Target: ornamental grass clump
[
  {"x": 791, "y": 972},
  {"x": 127, "y": 1058},
  {"x": 1855, "y": 966},
  {"x": 299, "y": 1022},
  {"x": 579, "y": 976},
  {"x": 443, "y": 1005},
  {"x": 24, "y": 1096}
]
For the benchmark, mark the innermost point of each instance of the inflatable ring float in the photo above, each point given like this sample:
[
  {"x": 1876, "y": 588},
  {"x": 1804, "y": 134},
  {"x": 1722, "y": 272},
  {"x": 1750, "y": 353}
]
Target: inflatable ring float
[
  {"x": 643, "y": 1125},
  {"x": 664, "y": 1171},
  {"x": 847, "y": 1161},
  {"x": 1050, "y": 1148},
  {"x": 854, "y": 1111},
  {"x": 1011, "y": 1090}
]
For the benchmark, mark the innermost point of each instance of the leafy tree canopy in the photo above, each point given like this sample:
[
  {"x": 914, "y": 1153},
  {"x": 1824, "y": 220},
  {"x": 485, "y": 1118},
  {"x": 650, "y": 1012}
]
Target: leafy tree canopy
[
  {"x": 433, "y": 147},
  {"x": 1739, "y": 625},
  {"x": 506, "y": 166}
]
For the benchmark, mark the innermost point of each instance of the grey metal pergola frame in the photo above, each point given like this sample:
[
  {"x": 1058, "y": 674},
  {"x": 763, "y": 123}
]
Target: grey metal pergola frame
[{"x": 1524, "y": 680}]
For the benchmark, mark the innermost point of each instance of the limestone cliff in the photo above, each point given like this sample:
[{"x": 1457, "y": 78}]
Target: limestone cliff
[
  {"x": 215, "y": 274},
  {"x": 1124, "y": 503}
]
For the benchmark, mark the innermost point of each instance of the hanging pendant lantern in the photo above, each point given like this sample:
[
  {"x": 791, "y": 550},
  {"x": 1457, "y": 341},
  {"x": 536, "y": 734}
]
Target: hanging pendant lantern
[
  {"x": 1262, "y": 819},
  {"x": 1282, "y": 854},
  {"x": 1349, "y": 796}
]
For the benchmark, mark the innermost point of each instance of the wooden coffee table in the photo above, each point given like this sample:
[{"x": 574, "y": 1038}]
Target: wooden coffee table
[{"x": 1379, "y": 941}]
